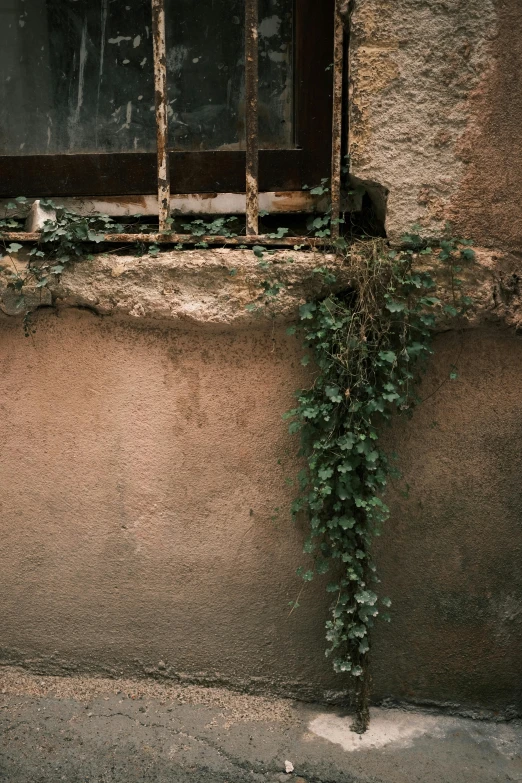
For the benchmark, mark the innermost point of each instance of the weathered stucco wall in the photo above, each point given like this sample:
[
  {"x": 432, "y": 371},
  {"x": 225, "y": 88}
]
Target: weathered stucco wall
[
  {"x": 140, "y": 482},
  {"x": 140, "y": 474},
  {"x": 436, "y": 114},
  {"x": 143, "y": 454},
  {"x": 450, "y": 555}
]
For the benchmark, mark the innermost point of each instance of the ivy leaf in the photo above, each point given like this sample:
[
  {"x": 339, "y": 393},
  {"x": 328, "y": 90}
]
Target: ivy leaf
[
  {"x": 388, "y": 356},
  {"x": 395, "y": 307},
  {"x": 332, "y": 588},
  {"x": 322, "y": 566},
  {"x": 333, "y": 393},
  {"x": 325, "y": 473},
  {"x": 14, "y": 247},
  {"x": 94, "y": 236},
  {"x": 468, "y": 254},
  {"x": 366, "y": 597},
  {"x": 307, "y": 310},
  {"x": 347, "y": 442},
  {"x": 450, "y": 310},
  {"x": 281, "y": 232}
]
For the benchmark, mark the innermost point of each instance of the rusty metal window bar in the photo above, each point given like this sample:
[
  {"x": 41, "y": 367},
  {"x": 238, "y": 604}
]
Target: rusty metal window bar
[{"x": 252, "y": 195}]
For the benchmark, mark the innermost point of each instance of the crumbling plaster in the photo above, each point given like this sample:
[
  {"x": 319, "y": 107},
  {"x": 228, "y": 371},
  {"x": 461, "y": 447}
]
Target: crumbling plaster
[
  {"x": 213, "y": 288},
  {"x": 205, "y": 287},
  {"x": 434, "y": 117}
]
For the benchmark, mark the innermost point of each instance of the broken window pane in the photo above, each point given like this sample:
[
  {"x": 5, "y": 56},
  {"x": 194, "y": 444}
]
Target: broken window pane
[{"x": 77, "y": 75}]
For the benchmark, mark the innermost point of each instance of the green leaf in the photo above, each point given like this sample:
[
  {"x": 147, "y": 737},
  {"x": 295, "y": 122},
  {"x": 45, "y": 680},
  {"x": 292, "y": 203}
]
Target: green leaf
[
  {"x": 332, "y": 588},
  {"x": 307, "y": 310},
  {"x": 95, "y": 236},
  {"x": 333, "y": 393},
  {"x": 325, "y": 473},
  {"x": 395, "y": 307},
  {"x": 366, "y": 597},
  {"x": 387, "y": 356},
  {"x": 322, "y": 566},
  {"x": 450, "y": 310},
  {"x": 14, "y": 247}
]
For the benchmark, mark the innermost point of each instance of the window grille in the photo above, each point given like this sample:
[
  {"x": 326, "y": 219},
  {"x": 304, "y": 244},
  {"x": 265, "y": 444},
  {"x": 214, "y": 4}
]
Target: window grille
[{"x": 165, "y": 175}]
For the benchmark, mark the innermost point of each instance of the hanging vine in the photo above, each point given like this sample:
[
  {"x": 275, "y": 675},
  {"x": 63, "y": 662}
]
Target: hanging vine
[{"x": 369, "y": 346}]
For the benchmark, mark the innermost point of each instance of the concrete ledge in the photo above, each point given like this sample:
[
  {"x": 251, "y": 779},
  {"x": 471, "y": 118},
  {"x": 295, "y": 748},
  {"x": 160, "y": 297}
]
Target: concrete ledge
[
  {"x": 211, "y": 287},
  {"x": 215, "y": 287}
]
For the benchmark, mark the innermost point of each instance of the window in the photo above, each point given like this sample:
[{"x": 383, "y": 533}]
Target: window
[{"x": 77, "y": 113}]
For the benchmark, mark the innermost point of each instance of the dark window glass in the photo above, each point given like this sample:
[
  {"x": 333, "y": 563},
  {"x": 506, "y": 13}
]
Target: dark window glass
[{"x": 77, "y": 75}]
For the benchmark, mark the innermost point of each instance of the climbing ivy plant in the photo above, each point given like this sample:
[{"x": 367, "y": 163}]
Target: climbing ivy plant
[{"x": 368, "y": 346}]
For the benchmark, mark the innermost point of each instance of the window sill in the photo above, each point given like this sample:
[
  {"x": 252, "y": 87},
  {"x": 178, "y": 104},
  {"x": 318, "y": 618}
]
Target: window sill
[{"x": 190, "y": 288}]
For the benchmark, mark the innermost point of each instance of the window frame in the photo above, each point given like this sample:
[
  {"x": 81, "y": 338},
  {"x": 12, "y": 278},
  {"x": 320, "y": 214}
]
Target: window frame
[{"x": 206, "y": 171}]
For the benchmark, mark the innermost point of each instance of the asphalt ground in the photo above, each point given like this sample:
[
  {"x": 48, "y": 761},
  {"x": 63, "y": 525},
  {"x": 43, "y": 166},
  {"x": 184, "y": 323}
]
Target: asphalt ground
[{"x": 87, "y": 730}]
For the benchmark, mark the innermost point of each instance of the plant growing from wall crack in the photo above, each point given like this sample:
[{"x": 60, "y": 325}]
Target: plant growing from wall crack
[{"x": 369, "y": 346}]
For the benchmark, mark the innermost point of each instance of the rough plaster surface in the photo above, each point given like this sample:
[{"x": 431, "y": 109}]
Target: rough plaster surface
[
  {"x": 215, "y": 288},
  {"x": 142, "y": 472},
  {"x": 435, "y": 116},
  {"x": 486, "y": 205},
  {"x": 79, "y": 730},
  {"x": 144, "y": 514},
  {"x": 210, "y": 287},
  {"x": 450, "y": 555}
]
